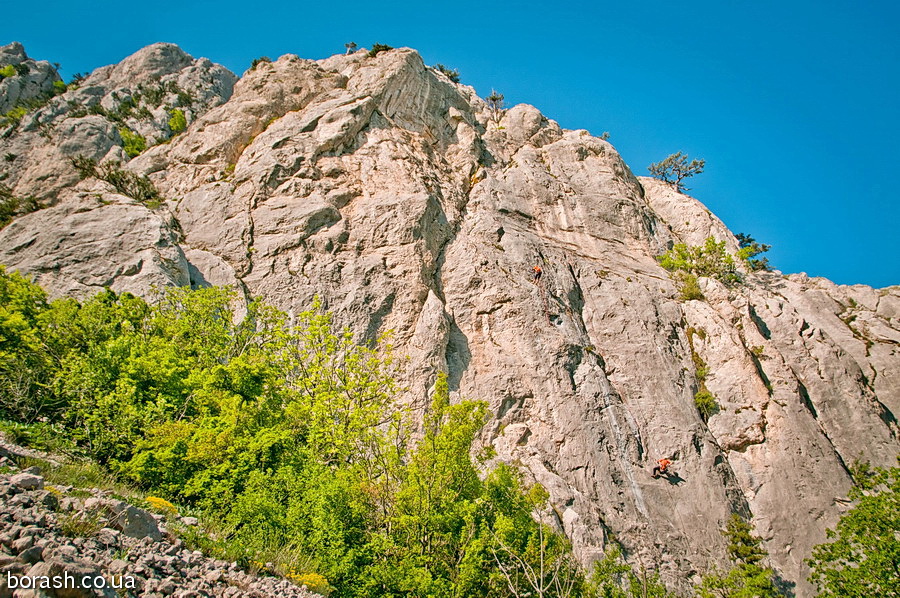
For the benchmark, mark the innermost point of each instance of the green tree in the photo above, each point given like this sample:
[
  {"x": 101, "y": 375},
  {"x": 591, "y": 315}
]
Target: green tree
[
  {"x": 287, "y": 433},
  {"x": 612, "y": 577},
  {"x": 750, "y": 249},
  {"x": 747, "y": 578},
  {"x": 863, "y": 555},
  {"x": 675, "y": 168},
  {"x": 495, "y": 104},
  {"x": 24, "y": 364}
]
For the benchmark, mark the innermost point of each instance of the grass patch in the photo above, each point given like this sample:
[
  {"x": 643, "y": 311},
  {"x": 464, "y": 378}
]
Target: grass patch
[{"x": 80, "y": 524}]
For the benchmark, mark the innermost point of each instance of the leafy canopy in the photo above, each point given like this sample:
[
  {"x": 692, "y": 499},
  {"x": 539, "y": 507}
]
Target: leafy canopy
[{"x": 863, "y": 555}]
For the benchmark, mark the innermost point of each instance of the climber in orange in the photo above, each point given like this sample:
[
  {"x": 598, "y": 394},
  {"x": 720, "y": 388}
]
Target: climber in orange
[
  {"x": 662, "y": 467},
  {"x": 536, "y": 273}
]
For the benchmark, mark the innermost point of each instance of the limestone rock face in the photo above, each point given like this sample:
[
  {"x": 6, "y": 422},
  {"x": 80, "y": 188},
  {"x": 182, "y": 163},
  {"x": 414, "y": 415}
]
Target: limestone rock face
[
  {"x": 138, "y": 96},
  {"x": 32, "y": 79},
  {"x": 407, "y": 204}
]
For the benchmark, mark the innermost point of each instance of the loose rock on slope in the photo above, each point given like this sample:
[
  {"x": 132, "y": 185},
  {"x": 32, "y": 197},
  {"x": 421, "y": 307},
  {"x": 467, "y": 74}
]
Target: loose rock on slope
[{"x": 118, "y": 542}]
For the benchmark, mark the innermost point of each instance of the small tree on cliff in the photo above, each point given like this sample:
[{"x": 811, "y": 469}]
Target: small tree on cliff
[
  {"x": 675, "y": 168},
  {"x": 747, "y": 578},
  {"x": 495, "y": 103},
  {"x": 750, "y": 249}
]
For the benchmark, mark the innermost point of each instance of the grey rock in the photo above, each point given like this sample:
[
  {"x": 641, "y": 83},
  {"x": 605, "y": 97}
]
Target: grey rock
[
  {"x": 48, "y": 500},
  {"x": 130, "y": 520},
  {"x": 32, "y": 555},
  {"x": 27, "y": 481},
  {"x": 78, "y": 570},
  {"x": 23, "y": 543}
]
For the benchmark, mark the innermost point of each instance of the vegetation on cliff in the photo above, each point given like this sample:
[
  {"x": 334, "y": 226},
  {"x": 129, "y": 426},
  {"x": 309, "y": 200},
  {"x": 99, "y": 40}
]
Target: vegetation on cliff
[
  {"x": 285, "y": 433},
  {"x": 288, "y": 437}
]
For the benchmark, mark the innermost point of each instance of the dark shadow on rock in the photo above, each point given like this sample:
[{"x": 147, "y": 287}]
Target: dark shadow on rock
[
  {"x": 670, "y": 476},
  {"x": 786, "y": 587},
  {"x": 198, "y": 281},
  {"x": 457, "y": 355}
]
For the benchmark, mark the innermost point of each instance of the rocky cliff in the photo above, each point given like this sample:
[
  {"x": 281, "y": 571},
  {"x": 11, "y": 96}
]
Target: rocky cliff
[{"x": 409, "y": 205}]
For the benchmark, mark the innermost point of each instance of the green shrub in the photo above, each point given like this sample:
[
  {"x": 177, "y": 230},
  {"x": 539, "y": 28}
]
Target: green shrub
[
  {"x": 689, "y": 287},
  {"x": 704, "y": 400},
  {"x": 378, "y": 49},
  {"x": 258, "y": 61},
  {"x": 59, "y": 88},
  {"x": 177, "y": 121},
  {"x": 452, "y": 74},
  {"x": 13, "y": 116},
  {"x": 153, "y": 93},
  {"x": 184, "y": 98},
  {"x": 710, "y": 259},
  {"x": 706, "y": 404},
  {"x": 7, "y": 71},
  {"x": 124, "y": 181},
  {"x": 134, "y": 142}
]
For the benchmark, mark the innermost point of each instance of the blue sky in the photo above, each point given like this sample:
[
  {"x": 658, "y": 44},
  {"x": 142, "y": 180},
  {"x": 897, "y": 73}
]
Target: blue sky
[{"x": 793, "y": 104}]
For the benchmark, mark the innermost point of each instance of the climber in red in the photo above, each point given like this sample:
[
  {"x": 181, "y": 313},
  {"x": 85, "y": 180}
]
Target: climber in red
[
  {"x": 662, "y": 467},
  {"x": 536, "y": 274}
]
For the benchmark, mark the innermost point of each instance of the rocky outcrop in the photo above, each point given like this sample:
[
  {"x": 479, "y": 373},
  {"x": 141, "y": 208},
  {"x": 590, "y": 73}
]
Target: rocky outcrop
[
  {"x": 408, "y": 204},
  {"x": 31, "y": 79},
  {"x": 137, "y": 96},
  {"x": 49, "y": 531}
]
